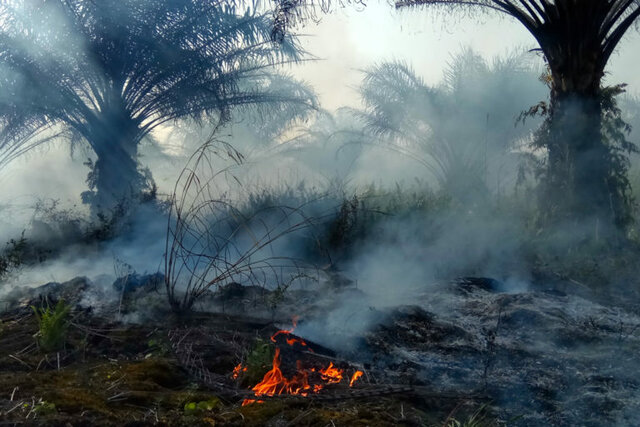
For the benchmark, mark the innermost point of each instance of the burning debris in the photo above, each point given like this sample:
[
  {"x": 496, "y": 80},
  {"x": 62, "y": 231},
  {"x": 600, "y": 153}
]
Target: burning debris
[
  {"x": 289, "y": 337},
  {"x": 305, "y": 380}
]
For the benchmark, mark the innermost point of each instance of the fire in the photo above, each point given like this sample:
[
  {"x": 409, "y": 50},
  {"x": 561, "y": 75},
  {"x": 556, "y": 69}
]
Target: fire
[
  {"x": 331, "y": 374},
  {"x": 354, "y": 378},
  {"x": 291, "y": 340},
  {"x": 237, "y": 370},
  {"x": 274, "y": 382}
]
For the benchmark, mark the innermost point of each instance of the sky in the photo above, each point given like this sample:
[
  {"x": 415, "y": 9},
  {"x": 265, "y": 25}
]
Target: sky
[{"x": 354, "y": 38}]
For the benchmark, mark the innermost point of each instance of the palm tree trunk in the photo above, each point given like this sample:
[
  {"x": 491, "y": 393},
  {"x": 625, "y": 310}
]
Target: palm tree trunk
[
  {"x": 579, "y": 163},
  {"x": 116, "y": 179},
  {"x": 115, "y": 176}
]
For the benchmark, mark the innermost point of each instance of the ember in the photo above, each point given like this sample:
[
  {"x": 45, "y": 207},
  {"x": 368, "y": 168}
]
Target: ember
[
  {"x": 291, "y": 340},
  {"x": 237, "y": 370}
]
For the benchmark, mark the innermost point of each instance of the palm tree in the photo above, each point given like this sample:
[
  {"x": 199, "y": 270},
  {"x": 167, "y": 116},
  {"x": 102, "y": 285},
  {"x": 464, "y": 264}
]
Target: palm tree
[
  {"x": 109, "y": 73},
  {"x": 463, "y": 130},
  {"x": 577, "y": 39}
]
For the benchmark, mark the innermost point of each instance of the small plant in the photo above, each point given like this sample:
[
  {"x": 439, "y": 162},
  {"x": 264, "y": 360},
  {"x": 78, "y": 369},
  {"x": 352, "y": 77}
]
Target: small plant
[
  {"x": 258, "y": 362},
  {"x": 195, "y": 408},
  {"x": 213, "y": 239},
  {"x": 344, "y": 227},
  {"x": 53, "y": 325},
  {"x": 477, "y": 419},
  {"x": 43, "y": 408}
]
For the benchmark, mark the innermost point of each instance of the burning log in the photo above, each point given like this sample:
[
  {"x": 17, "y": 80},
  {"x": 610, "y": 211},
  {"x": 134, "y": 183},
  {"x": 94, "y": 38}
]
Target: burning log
[
  {"x": 291, "y": 339},
  {"x": 286, "y": 336}
]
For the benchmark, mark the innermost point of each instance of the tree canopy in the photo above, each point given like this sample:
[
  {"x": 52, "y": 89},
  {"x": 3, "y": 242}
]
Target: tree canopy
[
  {"x": 462, "y": 130},
  {"x": 109, "y": 73},
  {"x": 585, "y": 174},
  {"x": 588, "y": 31}
]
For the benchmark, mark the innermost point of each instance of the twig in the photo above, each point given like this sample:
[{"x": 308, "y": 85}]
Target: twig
[
  {"x": 575, "y": 282},
  {"x": 27, "y": 348},
  {"x": 21, "y": 361},
  {"x": 93, "y": 332},
  {"x": 119, "y": 396},
  {"x": 115, "y": 383},
  {"x": 14, "y": 408}
]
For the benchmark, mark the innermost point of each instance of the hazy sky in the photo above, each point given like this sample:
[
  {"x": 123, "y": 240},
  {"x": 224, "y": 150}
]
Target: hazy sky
[{"x": 351, "y": 39}]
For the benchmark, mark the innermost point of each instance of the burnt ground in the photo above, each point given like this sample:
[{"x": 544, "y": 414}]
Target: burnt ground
[
  {"x": 534, "y": 357},
  {"x": 123, "y": 373}
]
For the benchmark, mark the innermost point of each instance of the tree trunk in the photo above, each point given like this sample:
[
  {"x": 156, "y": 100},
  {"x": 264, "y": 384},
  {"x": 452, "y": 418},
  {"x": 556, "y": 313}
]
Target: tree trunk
[
  {"x": 579, "y": 163},
  {"x": 115, "y": 177}
]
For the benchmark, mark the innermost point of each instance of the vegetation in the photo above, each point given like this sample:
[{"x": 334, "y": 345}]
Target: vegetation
[
  {"x": 52, "y": 325},
  {"x": 577, "y": 39},
  {"x": 13, "y": 256},
  {"x": 477, "y": 419},
  {"x": 211, "y": 241},
  {"x": 469, "y": 162},
  {"x": 109, "y": 74},
  {"x": 197, "y": 408},
  {"x": 257, "y": 363},
  {"x": 615, "y": 137}
]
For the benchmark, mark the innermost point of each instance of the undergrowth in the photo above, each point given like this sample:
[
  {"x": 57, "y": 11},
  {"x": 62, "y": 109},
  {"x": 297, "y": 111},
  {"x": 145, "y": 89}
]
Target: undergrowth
[
  {"x": 54, "y": 229},
  {"x": 13, "y": 255},
  {"x": 52, "y": 325}
]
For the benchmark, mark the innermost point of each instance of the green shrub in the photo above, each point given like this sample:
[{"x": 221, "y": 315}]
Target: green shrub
[{"x": 53, "y": 325}]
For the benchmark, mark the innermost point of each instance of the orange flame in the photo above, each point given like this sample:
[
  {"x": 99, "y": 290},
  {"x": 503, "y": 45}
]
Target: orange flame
[
  {"x": 294, "y": 322},
  {"x": 237, "y": 370},
  {"x": 331, "y": 374},
  {"x": 274, "y": 382},
  {"x": 291, "y": 340},
  {"x": 354, "y": 378}
]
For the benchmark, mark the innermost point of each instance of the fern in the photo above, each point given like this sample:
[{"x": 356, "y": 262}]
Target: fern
[{"x": 53, "y": 325}]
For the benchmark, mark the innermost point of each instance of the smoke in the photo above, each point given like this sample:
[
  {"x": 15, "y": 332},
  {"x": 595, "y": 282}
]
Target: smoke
[
  {"x": 141, "y": 248},
  {"x": 417, "y": 175},
  {"x": 291, "y": 162}
]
